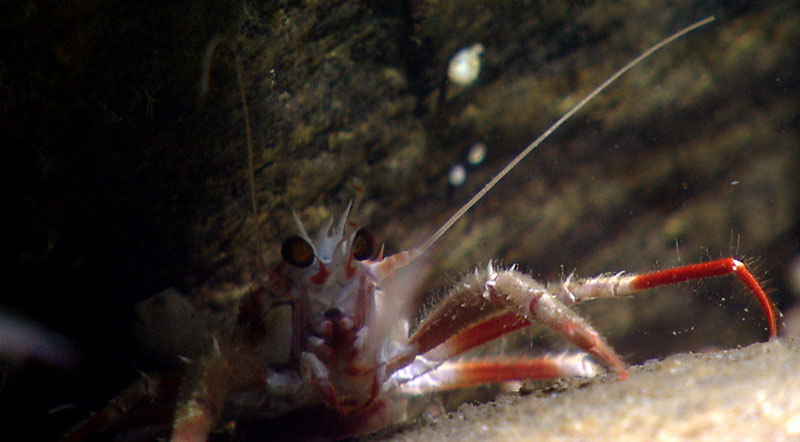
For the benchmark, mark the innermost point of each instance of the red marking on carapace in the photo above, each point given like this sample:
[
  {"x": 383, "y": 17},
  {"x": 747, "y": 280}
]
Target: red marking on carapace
[
  {"x": 321, "y": 276},
  {"x": 710, "y": 269},
  {"x": 277, "y": 283},
  {"x": 350, "y": 269}
]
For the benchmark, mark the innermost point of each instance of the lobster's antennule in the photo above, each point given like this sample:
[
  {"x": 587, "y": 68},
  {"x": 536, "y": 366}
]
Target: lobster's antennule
[
  {"x": 250, "y": 154},
  {"x": 358, "y": 187},
  {"x": 300, "y": 229},
  {"x": 345, "y": 217},
  {"x": 422, "y": 248}
]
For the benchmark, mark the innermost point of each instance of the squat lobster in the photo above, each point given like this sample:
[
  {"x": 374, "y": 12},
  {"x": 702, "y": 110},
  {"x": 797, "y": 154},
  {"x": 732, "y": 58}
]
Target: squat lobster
[{"x": 327, "y": 329}]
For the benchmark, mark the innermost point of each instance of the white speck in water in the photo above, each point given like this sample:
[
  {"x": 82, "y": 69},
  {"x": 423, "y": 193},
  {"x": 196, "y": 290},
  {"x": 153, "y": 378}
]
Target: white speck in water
[
  {"x": 733, "y": 183},
  {"x": 457, "y": 175},
  {"x": 476, "y": 154},
  {"x": 465, "y": 65}
]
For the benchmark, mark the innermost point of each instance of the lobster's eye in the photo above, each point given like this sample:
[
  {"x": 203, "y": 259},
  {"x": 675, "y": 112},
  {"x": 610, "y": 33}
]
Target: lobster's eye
[
  {"x": 363, "y": 244},
  {"x": 297, "y": 252}
]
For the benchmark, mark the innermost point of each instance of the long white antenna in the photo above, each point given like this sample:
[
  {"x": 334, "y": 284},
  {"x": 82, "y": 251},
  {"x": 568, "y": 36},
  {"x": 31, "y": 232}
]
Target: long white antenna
[
  {"x": 251, "y": 172},
  {"x": 422, "y": 248}
]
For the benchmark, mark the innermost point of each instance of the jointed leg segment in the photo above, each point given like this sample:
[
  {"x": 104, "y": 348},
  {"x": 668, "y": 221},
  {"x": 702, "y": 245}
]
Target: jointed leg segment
[
  {"x": 488, "y": 304},
  {"x": 606, "y": 286}
]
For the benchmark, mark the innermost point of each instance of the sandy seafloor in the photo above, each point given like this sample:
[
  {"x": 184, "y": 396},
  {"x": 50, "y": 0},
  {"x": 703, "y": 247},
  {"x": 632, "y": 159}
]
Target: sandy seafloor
[{"x": 746, "y": 394}]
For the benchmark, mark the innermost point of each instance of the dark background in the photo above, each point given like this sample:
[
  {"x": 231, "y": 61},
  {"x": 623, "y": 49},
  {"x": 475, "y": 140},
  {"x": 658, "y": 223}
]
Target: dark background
[{"x": 122, "y": 177}]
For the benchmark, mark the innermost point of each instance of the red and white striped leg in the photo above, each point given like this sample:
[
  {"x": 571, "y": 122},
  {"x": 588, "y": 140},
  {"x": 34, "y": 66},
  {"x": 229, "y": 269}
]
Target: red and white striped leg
[
  {"x": 488, "y": 304},
  {"x": 201, "y": 399},
  {"x": 605, "y": 286},
  {"x": 518, "y": 292},
  {"x": 156, "y": 393},
  {"x": 419, "y": 379}
]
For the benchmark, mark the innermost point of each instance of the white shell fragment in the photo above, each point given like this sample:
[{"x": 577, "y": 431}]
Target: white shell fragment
[
  {"x": 457, "y": 175},
  {"x": 465, "y": 65},
  {"x": 477, "y": 153}
]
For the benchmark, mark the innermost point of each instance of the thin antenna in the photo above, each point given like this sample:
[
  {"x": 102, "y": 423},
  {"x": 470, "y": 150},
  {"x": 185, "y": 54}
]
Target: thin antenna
[
  {"x": 250, "y": 154},
  {"x": 488, "y": 186}
]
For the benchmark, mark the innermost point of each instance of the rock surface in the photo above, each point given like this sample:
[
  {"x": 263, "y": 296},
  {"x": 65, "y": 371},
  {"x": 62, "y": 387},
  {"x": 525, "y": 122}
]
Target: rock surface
[{"x": 746, "y": 394}]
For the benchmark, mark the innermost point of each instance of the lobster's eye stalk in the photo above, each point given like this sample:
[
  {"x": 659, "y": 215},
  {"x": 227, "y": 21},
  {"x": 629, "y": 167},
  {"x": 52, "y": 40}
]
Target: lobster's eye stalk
[
  {"x": 297, "y": 252},
  {"x": 363, "y": 244}
]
